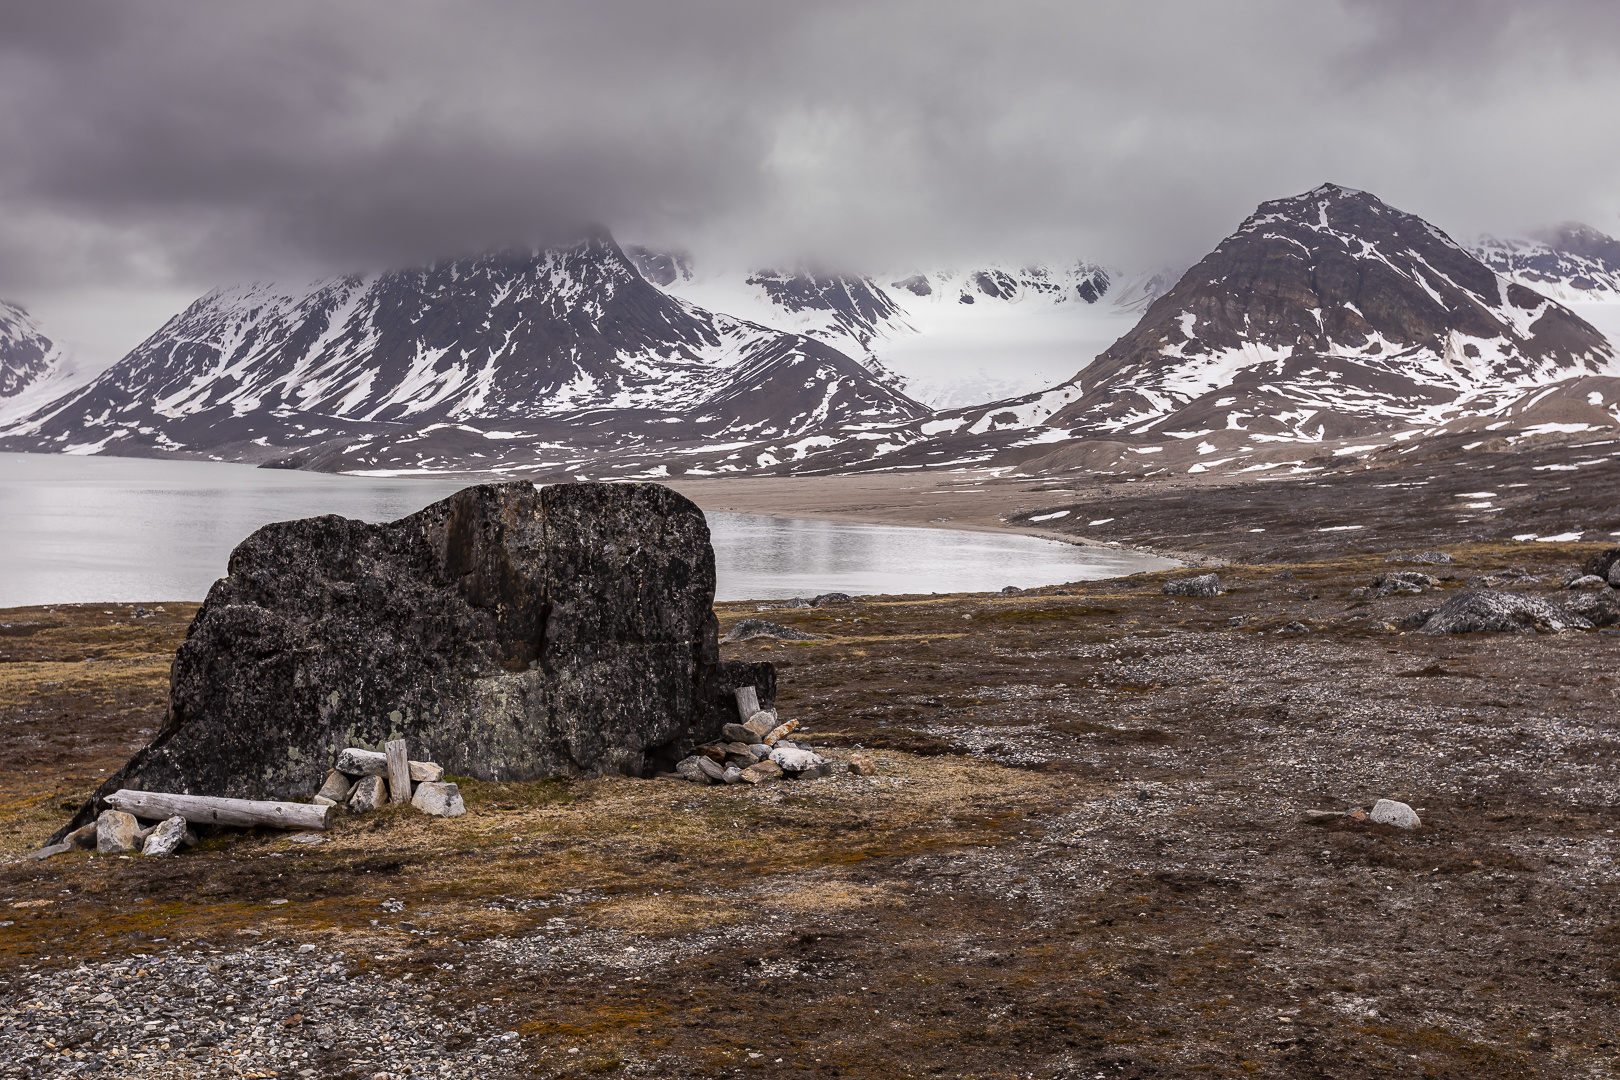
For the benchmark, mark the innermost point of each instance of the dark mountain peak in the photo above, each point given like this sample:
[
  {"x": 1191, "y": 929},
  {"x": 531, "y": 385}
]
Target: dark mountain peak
[
  {"x": 1348, "y": 212},
  {"x": 526, "y": 340},
  {"x": 1326, "y": 303}
]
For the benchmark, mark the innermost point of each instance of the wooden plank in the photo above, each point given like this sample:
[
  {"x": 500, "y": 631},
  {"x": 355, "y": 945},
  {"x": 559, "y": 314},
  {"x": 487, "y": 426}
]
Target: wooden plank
[
  {"x": 747, "y": 701},
  {"x": 399, "y": 772},
  {"x": 207, "y": 810}
]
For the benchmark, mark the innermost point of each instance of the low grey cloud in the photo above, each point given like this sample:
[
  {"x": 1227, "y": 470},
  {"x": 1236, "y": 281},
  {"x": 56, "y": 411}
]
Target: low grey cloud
[{"x": 186, "y": 143}]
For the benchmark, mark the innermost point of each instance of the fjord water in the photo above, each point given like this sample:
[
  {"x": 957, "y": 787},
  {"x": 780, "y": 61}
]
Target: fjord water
[{"x": 87, "y": 529}]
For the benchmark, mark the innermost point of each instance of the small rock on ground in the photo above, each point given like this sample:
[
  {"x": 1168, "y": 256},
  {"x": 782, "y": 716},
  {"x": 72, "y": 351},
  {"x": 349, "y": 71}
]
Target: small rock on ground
[
  {"x": 166, "y": 838},
  {"x": 440, "y": 799},
  {"x": 1439, "y": 557},
  {"x": 1203, "y": 585},
  {"x": 115, "y": 832},
  {"x": 1390, "y": 812},
  {"x": 757, "y": 628}
]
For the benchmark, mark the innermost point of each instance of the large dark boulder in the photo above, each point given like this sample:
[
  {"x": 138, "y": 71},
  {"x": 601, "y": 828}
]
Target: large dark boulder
[{"x": 507, "y": 632}]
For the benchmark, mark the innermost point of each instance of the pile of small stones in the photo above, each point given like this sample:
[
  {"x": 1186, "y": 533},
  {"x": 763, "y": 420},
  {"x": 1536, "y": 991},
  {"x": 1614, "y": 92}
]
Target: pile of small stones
[
  {"x": 756, "y": 751},
  {"x": 359, "y": 782}
]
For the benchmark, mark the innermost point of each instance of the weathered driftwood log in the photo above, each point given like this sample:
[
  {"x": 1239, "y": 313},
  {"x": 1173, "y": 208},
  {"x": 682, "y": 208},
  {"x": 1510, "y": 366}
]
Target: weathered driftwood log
[
  {"x": 206, "y": 810},
  {"x": 399, "y": 771},
  {"x": 747, "y": 701},
  {"x": 357, "y": 762}
]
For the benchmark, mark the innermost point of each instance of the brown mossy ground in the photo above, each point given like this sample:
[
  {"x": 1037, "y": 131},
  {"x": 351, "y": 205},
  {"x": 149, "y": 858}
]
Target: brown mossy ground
[{"x": 1085, "y": 852}]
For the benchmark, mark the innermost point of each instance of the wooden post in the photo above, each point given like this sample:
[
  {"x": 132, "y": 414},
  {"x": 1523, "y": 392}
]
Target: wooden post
[
  {"x": 206, "y": 810},
  {"x": 747, "y": 702},
  {"x": 399, "y": 772}
]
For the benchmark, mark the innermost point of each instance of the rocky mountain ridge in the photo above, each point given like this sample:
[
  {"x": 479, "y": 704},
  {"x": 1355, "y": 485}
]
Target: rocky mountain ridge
[
  {"x": 1327, "y": 323},
  {"x": 533, "y": 343}
]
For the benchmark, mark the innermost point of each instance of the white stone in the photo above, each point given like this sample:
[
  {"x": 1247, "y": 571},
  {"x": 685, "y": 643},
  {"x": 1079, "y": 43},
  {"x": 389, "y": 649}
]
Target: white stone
[
  {"x": 166, "y": 838},
  {"x": 438, "y": 798},
  {"x": 1390, "y": 812},
  {"x": 795, "y": 760}
]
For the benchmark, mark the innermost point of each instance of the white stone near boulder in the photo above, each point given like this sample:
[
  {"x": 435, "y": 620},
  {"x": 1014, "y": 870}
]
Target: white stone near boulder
[
  {"x": 795, "y": 760},
  {"x": 1390, "y": 812},
  {"x": 115, "y": 832},
  {"x": 166, "y": 838},
  {"x": 439, "y": 798}
]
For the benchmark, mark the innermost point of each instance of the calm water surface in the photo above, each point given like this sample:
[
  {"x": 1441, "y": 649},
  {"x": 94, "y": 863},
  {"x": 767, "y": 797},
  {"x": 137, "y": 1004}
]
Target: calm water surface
[{"x": 84, "y": 529}]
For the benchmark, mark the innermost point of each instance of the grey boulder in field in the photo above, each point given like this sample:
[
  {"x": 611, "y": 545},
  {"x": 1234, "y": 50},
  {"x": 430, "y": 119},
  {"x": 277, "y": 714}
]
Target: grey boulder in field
[{"x": 508, "y": 633}]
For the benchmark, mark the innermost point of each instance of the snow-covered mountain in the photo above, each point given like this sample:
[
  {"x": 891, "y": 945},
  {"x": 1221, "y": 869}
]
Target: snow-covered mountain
[
  {"x": 949, "y": 338},
  {"x": 33, "y": 368},
  {"x": 26, "y": 354},
  {"x": 1331, "y": 314},
  {"x": 571, "y": 336},
  {"x": 1572, "y": 263}
]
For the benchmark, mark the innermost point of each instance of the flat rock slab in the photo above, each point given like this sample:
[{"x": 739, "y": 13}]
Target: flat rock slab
[
  {"x": 507, "y": 632},
  {"x": 749, "y": 629},
  {"x": 759, "y": 773}
]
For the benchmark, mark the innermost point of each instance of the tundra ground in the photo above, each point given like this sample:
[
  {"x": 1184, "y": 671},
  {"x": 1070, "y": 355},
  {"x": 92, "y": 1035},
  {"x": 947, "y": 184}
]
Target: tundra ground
[{"x": 1088, "y": 851}]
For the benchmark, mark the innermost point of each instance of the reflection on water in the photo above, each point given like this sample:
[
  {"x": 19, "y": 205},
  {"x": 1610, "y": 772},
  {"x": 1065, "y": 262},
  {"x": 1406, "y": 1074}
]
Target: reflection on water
[{"x": 83, "y": 529}]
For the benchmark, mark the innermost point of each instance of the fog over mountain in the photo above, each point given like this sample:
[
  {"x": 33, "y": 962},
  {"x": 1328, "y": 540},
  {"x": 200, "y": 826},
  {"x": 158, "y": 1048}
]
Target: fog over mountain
[{"x": 168, "y": 146}]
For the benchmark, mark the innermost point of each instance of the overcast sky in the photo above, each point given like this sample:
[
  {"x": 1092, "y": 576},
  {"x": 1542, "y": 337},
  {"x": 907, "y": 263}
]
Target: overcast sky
[{"x": 150, "y": 150}]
